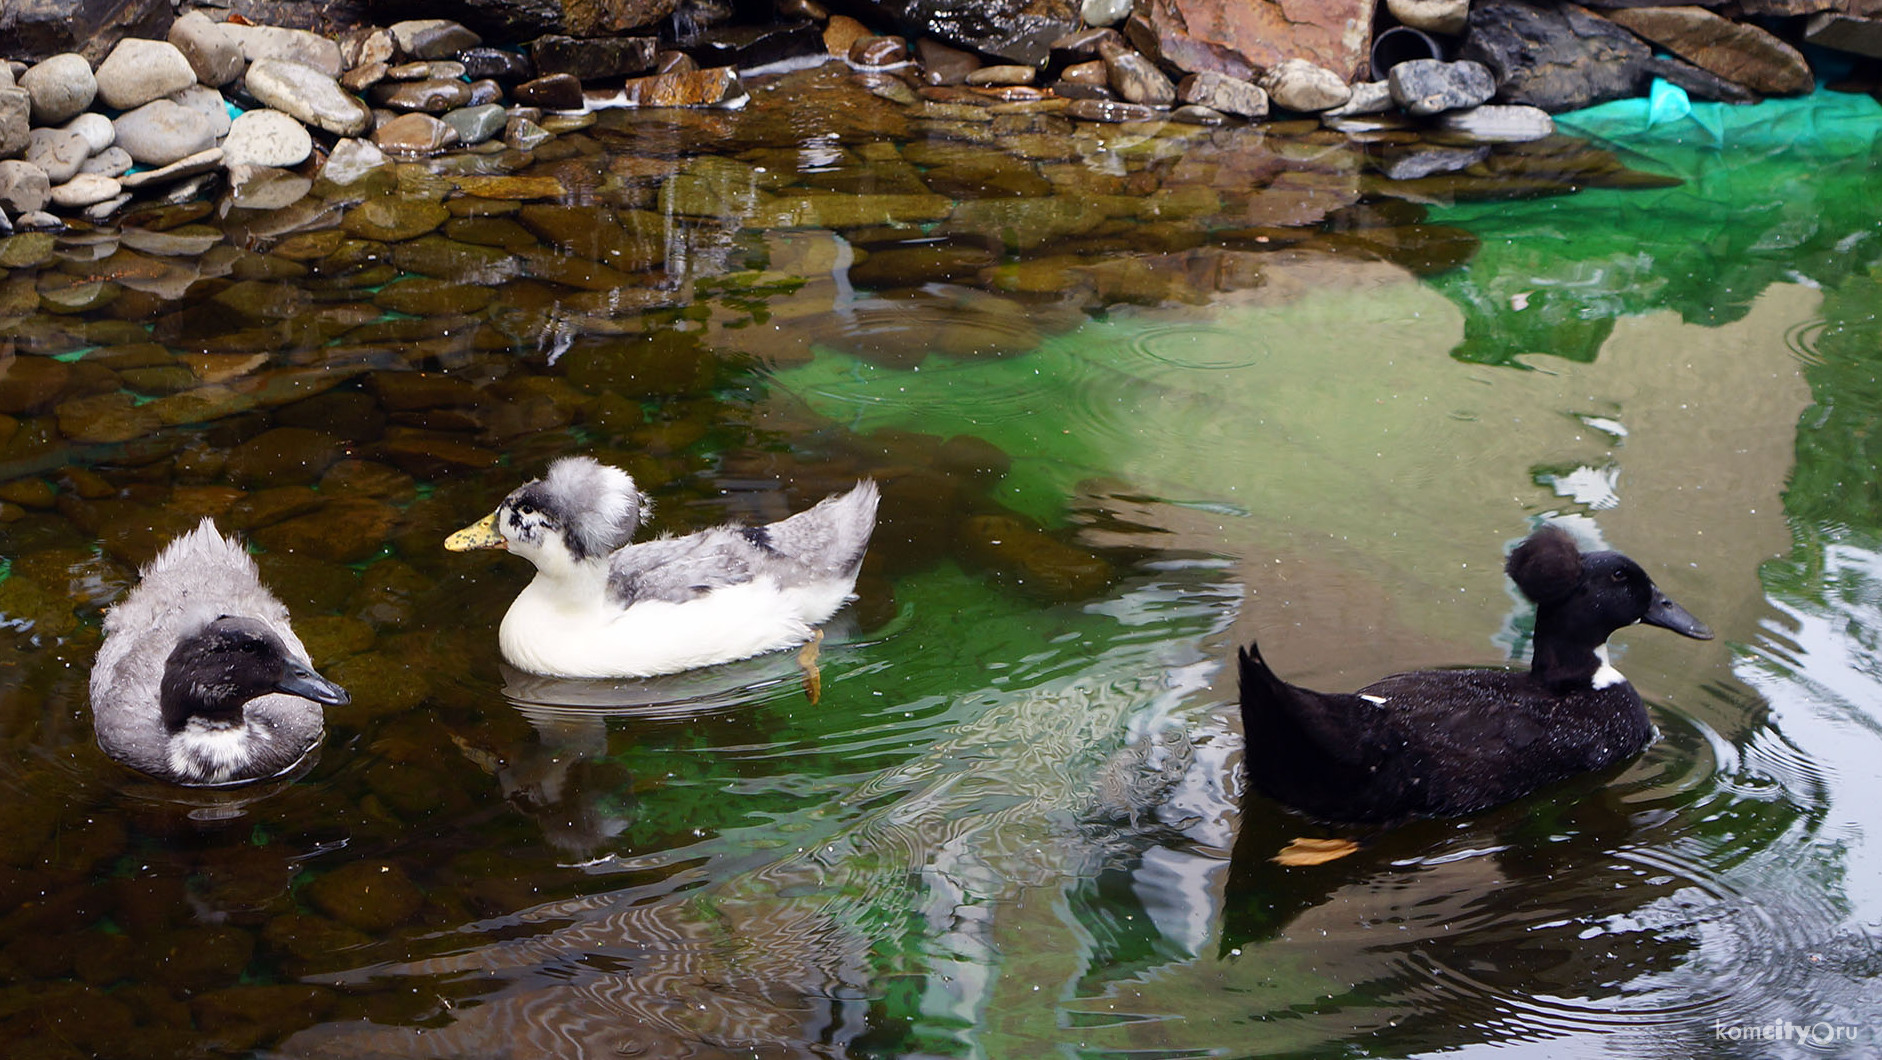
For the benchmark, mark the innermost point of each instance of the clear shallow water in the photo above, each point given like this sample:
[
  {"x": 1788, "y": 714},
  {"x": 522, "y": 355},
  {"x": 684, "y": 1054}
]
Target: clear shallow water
[{"x": 1012, "y": 824}]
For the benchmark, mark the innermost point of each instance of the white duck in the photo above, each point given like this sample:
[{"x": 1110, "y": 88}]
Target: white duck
[
  {"x": 600, "y": 607},
  {"x": 200, "y": 679}
]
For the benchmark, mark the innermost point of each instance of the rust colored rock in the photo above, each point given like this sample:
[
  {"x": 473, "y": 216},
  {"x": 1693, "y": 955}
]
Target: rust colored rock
[
  {"x": 878, "y": 51},
  {"x": 718, "y": 86},
  {"x": 602, "y": 18},
  {"x": 1736, "y": 51},
  {"x": 1243, "y": 38}
]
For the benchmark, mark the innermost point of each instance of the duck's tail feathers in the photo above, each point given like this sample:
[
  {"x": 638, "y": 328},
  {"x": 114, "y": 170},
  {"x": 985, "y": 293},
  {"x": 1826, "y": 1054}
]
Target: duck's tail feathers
[
  {"x": 834, "y": 534},
  {"x": 1257, "y": 679}
]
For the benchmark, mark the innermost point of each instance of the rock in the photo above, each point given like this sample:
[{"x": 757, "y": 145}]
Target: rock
[
  {"x": 588, "y": 60},
  {"x": 1556, "y": 57},
  {"x": 361, "y": 78},
  {"x": 1220, "y": 92},
  {"x": 474, "y": 125},
  {"x": 432, "y": 38},
  {"x": 61, "y": 87},
  {"x": 1427, "y": 86},
  {"x": 1003, "y": 75},
  {"x": 110, "y": 162},
  {"x": 1243, "y": 38},
  {"x": 1195, "y": 114},
  {"x": 183, "y": 168},
  {"x": 525, "y": 135},
  {"x": 283, "y": 456},
  {"x": 394, "y": 219},
  {"x": 1110, "y": 111},
  {"x": 1020, "y": 555},
  {"x": 1422, "y": 160},
  {"x": 875, "y": 50},
  {"x": 1736, "y": 51},
  {"x": 16, "y": 108},
  {"x": 352, "y": 159},
  {"x": 1845, "y": 33},
  {"x": 498, "y": 64},
  {"x": 414, "y": 136},
  {"x": 554, "y": 92},
  {"x": 1369, "y": 97},
  {"x": 1499, "y": 124},
  {"x": 35, "y": 29},
  {"x": 209, "y": 103},
  {"x": 138, "y": 71},
  {"x": 290, "y": 45},
  {"x": 746, "y": 46},
  {"x": 253, "y": 187},
  {"x": 426, "y": 297},
  {"x": 1448, "y": 17},
  {"x": 266, "y": 138},
  {"x": 96, "y": 129},
  {"x": 114, "y": 417},
  {"x": 213, "y": 54},
  {"x": 1020, "y": 31},
  {"x": 1700, "y": 83},
  {"x": 1134, "y": 78},
  {"x": 426, "y": 70},
  {"x": 31, "y": 384},
  {"x": 1299, "y": 85},
  {"x": 57, "y": 152},
  {"x": 942, "y": 65},
  {"x": 485, "y": 92},
  {"x": 307, "y": 95},
  {"x": 431, "y": 97},
  {"x": 718, "y": 86},
  {"x": 841, "y": 33},
  {"x": 161, "y": 132},
  {"x": 1104, "y": 12}
]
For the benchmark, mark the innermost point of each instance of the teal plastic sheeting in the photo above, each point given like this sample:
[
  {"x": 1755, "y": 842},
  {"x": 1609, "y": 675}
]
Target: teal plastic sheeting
[{"x": 1828, "y": 123}]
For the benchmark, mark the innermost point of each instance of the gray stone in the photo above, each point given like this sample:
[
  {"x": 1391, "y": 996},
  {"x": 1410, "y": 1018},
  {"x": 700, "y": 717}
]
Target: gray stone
[
  {"x": 1134, "y": 78},
  {"x": 96, "y": 129},
  {"x": 196, "y": 165},
  {"x": 213, "y": 53},
  {"x": 85, "y": 189},
  {"x": 59, "y": 152},
  {"x": 16, "y": 110},
  {"x": 1428, "y": 159},
  {"x": 207, "y": 102},
  {"x": 105, "y": 209},
  {"x": 1433, "y": 16},
  {"x": 1429, "y": 86},
  {"x": 266, "y": 138},
  {"x": 161, "y": 132},
  {"x": 1845, "y": 33},
  {"x": 138, "y": 71},
  {"x": 23, "y": 187},
  {"x": 350, "y": 160},
  {"x": 61, "y": 86},
  {"x": 474, "y": 125},
  {"x": 432, "y": 38},
  {"x": 1299, "y": 85},
  {"x": 1555, "y": 56},
  {"x": 265, "y": 187},
  {"x": 1107, "y": 110},
  {"x": 1104, "y": 12},
  {"x": 1196, "y": 114},
  {"x": 1498, "y": 124},
  {"x": 40, "y": 221},
  {"x": 307, "y": 95},
  {"x": 1369, "y": 97},
  {"x": 111, "y": 162},
  {"x": 292, "y": 45},
  {"x": 1220, "y": 92}
]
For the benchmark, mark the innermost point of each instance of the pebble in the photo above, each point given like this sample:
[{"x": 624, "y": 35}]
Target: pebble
[
  {"x": 1299, "y": 85},
  {"x": 266, "y": 138},
  {"x": 60, "y": 87},
  {"x": 139, "y": 71},
  {"x": 84, "y": 190},
  {"x": 308, "y": 95},
  {"x": 58, "y": 152},
  {"x": 432, "y": 38},
  {"x": 352, "y": 159},
  {"x": 1230, "y": 95},
  {"x": 111, "y": 162},
  {"x": 209, "y": 103},
  {"x": 414, "y": 135},
  {"x": 193, "y": 165},
  {"x": 1003, "y": 75},
  {"x": 161, "y": 132},
  {"x": 96, "y": 129},
  {"x": 474, "y": 125},
  {"x": 212, "y": 53},
  {"x": 431, "y": 96},
  {"x": 16, "y": 109}
]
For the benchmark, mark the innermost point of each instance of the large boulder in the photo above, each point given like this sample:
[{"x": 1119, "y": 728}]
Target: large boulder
[
  {"x": 1555, "y": 56},
  {"x": 31, "y": 30},
  {"x": 1246, "y": 38},
  {"x": 1020, "y": 31},
  {"x": 1737, "y": 51},
  {"x": 519, "y": 20}
]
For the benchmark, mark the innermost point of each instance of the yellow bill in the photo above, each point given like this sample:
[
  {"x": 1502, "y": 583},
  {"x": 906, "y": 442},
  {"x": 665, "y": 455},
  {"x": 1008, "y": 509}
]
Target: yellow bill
[{"x": 480, "y": 534}]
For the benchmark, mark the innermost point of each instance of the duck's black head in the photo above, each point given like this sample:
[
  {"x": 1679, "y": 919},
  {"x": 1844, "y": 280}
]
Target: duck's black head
[
  {"x": 212, "y": 673},
  {"x": 1581, "y": 599}
]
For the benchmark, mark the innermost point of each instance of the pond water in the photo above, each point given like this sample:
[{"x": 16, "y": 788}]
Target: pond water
[{"x": 1135, "y": 396}]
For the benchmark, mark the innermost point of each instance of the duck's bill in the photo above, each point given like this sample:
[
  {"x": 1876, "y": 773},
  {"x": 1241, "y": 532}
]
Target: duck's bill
[
  {"x": 303, "y": 682},
  {"x": 480, "y": 534},
  {"x": 1668, "y": 615}
]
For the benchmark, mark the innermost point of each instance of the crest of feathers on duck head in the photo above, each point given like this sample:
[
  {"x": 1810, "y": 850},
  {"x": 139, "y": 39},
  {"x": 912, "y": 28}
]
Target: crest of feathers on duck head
[
  {"x": 599, "y": 505},
  {"x": 1547, "y": 566}
]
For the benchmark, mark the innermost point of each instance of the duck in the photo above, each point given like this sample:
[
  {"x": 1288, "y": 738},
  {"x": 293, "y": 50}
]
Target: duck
[
  {"x": 200, "y": 680},
  {"x": 1449, "y": 743},
  {"x": 602, "y": 607}
]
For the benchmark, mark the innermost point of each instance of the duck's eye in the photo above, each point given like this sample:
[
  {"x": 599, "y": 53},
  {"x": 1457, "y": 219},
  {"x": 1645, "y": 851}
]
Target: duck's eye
[
  {"x": 525, "y": 508},
  {"x": 252, "y": 647},
  {"x": 1619, "y": 575}
]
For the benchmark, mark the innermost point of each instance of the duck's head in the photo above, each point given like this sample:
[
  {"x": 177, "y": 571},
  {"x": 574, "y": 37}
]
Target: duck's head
[
  {"x": 1581, "y": 598},
  {"x": 210, "y": 674},
  {"x": 580, "y": 511}
]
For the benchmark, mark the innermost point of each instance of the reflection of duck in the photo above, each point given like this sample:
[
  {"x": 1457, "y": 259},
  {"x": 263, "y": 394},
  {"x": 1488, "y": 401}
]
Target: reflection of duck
[
  {"x": 600, "y": 607},
  {"x": 1435, "y": 743},
  {"x": 200, "y": 679}
]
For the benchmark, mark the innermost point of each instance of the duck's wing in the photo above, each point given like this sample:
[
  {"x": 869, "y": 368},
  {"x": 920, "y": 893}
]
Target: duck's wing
[
  {"x": 1347, "y": 728},
  {"x": 829, "y": 537}
]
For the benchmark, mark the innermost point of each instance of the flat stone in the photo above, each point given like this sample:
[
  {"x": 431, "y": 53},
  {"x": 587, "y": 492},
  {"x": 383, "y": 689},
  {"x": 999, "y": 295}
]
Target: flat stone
[
  {"x": 1736, "y": 51},
  {"x": 161, "y": 132},
  {"x": 394, "y": 219},
  {"x": 352, "y": 159},
  {"x": 182, "y": 169},
  {"x": 593, "y": 59},
  {"x": 253, "y": 187},
  {"x": 1499, "y": 124},
  {"x": 111, "y": 162},
  {"x": 1845, "y": 33},
  {"x": 515, "y": 188},
  {"x": 1299, "y": 85},
  {"x": 114, "y": 417},
  {"x": 58, "y": 152},
  {"x": 1134, "y": 78},
  {"x": 498, "y": 64},
  {"x": 1428, "y": 86},
  {"x": 1110, "y": 111},
  {"x": 85, "y": 189},
  {"x": 308, "y": 95},
  {"x": 290, "y": 45},
  {"x": 943, "y": 65},
  {"x": 1243, "y": 38},
  {"x": 430, "y": 97},
  {"x": 718, "y": 86},
  {"x": 876, "y": 50},
  {"x": 426, "y": 297},
  {"x": 266, "y": 138},
  {"x": 1230, "y": 95},
  {"x": 61, "y": 87},
  {"x": 212, "y": 53},
  {"x": 414, "y": 136},
  {"x": 16, "y": 109},
  {"x": 138, "y": 71},
  {"x": 432, "y": 38},
  {"x": 96, "y": 129},
  {"x": 426, "y": 70},
  {"x": 554, "y": 92},
  {"x": 474, "y": 125},
  {"x": 209, "y": 103}
]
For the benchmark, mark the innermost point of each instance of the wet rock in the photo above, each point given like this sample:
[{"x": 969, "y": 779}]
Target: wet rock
[
  {"x": 431, "y": 97},
  {"x": 61, "y": 88},
  {"x": 1242, "y": 38},
  {"x": 432, "y": 70},
  {"x": 360, "y": 78},
  {"x": 1134, "y": 78},
  {"x": 181, "y": 169},
  {"x": 1369, "y": 97},
  {"x": 312, "y": 938},
  {"x": 474, "y": 125},
  {"x": 242, "y": 1018},
  {"x": 1221, "y": 92},
  {"x": 1428, "y": 86},
  {"x": 1018, "y": 554},
  {"x": 84, "y": 190},
  {"x": 841, "y": 33},
  {"x": 1104, "y": 12},
  {"x": 57, "y": 152},
  {"x": 105, "y": 418},
  {"x": 498, "y": 64},
  {"x": 1555, "y": 57},
  {"x": 718, "y": 86},
  {"x": 553, "y": 92},
  {"x": 448, "y": 259},
  {"x": 283, "y": 456},
  {"x": 515, "y": 188},
  {"x": 1448, "y": 17},
  {"x": 275, "y": 43},
  {"x": 162, "y": 132},
  {"x": 485, "y": 92},
  {"x": 593, "y": 59},
  {"x": 414, "y": 136},
  {"x": 422, "y": 296},
  {"x": 369, "y": 479},
  {"x": 138, "y": 71},
  {"x": 265, "y": 507},
  {"x": 253, "y": 187},
  {"x": 1846, "y": 33},
  {"x": 308, "y": 95},
  {"x": 628, "y": 240},
  {"x": 346, "y": 530},
  {"x": 873, "y": 50},
  {"x": 266, "y": 138},
  {"x": 431, "y": 455},
  {"x": 432, "y": 38},
  {"x": 1737, "y": 51},
  {"x": 214, "y": 55},
  {"x": 207, "y": 102},
  {"x": 31, "y": 384},
  {"x": 1498, "y": 124},
  {"x": 942, "y": 65},
  {"x": 352, "y": 159},
  {"x": 1110, "y": 111},
  {"x": 1299, "y": 85},
  {"x": 413, "y": 391},
  {"x": 1020, "y": 31},
  {"x": 1423, "y": 160},
  {"x": 373, "y": 897}
]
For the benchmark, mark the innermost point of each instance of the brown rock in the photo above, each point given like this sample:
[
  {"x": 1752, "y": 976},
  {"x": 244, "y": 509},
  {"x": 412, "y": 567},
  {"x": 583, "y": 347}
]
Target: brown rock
[
  {"x": 604, "y": 18},
  {"x": 942, "y": 65},
  {"x": 1242, "y": 38},
  {"x": 283, "y": 456},
  {"x": 350, "y": 530},
  {"x": 878, "y": 51},
  {"x": 1736, "y": 51},
  {"x": 431, "y": 96},
  {"x": 28, "y": 384},
  {"x": 554, "y": 92},
  {"x": 413, "y": 136},
  {"x": 373, "y": 897},
  {"x": 105, "y": 418},
  {"x": 841, "y": 32},
  {"x": 697, "y": 88},
  {"x": 1030, "y": 560}
]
